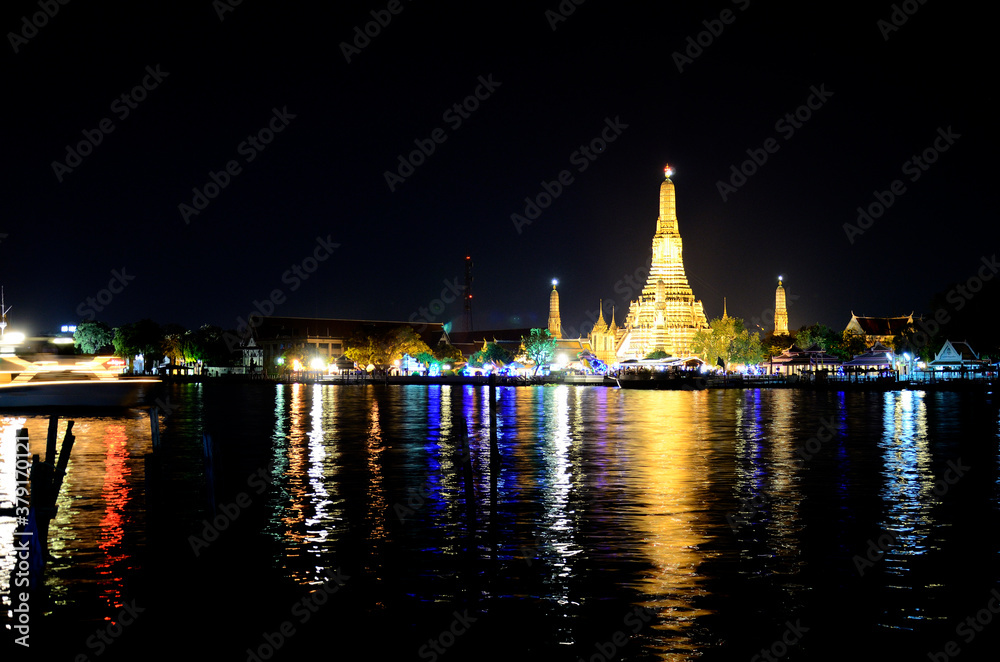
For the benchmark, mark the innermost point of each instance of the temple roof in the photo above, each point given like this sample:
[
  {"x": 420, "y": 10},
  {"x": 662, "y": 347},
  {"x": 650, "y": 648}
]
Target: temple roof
[
  {"x": 281, "y": 328},
  {"x": 880, "y": 326},
  {"x": 955, "y": 353},
  {"x": 965, "y": 350},
  {"x": 812, "y": 355},
  {"x": 470, "y": 342},
  {"x": 492, "y": 335},
  {"x": 600, "y": 326}
]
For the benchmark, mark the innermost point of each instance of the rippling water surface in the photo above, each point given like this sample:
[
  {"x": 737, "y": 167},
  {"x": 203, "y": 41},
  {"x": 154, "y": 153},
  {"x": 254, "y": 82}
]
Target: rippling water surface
[{"x": 632, "y": 525}]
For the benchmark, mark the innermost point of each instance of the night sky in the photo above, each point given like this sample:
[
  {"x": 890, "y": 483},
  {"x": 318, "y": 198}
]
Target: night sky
[{"x": 216, "y": 82}]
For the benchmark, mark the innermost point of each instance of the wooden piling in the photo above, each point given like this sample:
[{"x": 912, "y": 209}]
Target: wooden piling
[
  {"x": 209, "y": 448},
  {"x": 154, "y": 427},
  {"x": 50, "y": 442},
  {"x": 46, "y": 480},
  {"x": 67, "y": 447},
  {"x": 41, "y": 496}
]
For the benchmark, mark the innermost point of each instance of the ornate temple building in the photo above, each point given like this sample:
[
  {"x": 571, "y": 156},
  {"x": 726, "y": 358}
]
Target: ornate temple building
[
  {"x": 877, "y": 329},
  {"x": 604, "y": 338},
  {"x": 780, "y": 312},
  {"x": 666, "y": 315}
]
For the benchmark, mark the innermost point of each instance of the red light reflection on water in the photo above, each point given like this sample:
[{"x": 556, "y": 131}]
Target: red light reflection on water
[{"x": 116, "y": 495}]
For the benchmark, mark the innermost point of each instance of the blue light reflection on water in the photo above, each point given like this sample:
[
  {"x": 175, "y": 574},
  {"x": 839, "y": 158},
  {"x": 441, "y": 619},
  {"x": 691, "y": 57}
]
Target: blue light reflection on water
[
  {"x": 603, "y": 498},
  {"x": 560, "y": 445}
]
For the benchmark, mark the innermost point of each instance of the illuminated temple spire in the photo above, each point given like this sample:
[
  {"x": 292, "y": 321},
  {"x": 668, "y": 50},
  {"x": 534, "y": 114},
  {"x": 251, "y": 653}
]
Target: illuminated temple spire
[
  {"x": 780, "y": 313},
  {"x": 667, "y": 222},
  {"x": 555, "y": 324},
  {"x": 668, "y": 263},
  {"x": 666, "y": 315},
  {"x": 600, "y": 325}
]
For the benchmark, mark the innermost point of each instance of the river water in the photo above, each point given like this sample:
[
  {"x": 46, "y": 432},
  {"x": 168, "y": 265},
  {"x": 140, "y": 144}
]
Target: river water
[{"x": 625, "y": 525}]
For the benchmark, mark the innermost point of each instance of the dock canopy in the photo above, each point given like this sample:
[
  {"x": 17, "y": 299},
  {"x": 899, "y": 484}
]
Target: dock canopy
[
  {"x": 877, "y": 356},
  {"x": 797, "y": 360}
]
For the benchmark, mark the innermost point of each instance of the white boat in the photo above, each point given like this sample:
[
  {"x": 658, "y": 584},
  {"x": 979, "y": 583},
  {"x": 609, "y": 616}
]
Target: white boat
[
  {"x": 89, "y": 393},
  {"x": 67, "y": 382}
]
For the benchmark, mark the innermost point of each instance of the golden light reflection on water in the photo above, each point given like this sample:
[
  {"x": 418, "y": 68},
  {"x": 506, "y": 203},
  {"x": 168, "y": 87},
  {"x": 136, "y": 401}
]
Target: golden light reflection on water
[
  {"x": 324, "y": 465},
  {"x": 589, "y": 476},
  {"x": 907, "y": 492},
  {"x": 669, "y": 477},
  {"x": 375, "y": 447},
  {"x": 306, "y": 511},
  {"x": 295, "y": 459},
  {"x": 623, "y": 495}
]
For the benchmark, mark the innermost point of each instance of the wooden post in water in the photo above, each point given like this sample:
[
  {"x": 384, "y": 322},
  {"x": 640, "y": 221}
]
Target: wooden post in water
[
  {"x": 41, "y": 495},
  {"x": 67, "y": 448},
  {"x": 154, "y": 427},
  {"x": 151, "y": 468},
  {"x": 46, "y": 480},
  {"x": 50, "y": 442},
  {"x": 209, "y": 447}
]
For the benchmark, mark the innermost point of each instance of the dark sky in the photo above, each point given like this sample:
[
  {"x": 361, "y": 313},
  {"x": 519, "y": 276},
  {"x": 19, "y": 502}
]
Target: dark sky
[{"x": 553, "y": 91}]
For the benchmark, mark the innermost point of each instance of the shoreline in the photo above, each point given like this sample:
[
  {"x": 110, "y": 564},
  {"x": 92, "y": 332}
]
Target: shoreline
[{"x": 705, "y": 383}]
